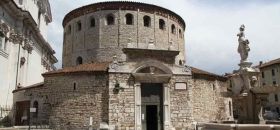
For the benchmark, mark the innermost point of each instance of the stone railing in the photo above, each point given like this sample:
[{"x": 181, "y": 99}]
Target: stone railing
[{"x": 214, "y": 126}]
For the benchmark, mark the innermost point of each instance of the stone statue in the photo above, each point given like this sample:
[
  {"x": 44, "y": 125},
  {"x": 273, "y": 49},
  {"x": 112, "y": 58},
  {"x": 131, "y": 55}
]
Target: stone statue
[{"x": 243, "y": 48}]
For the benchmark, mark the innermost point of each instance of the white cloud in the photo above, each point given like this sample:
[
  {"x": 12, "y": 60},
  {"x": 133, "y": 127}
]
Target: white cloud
[{"x": 211, "y": 29}]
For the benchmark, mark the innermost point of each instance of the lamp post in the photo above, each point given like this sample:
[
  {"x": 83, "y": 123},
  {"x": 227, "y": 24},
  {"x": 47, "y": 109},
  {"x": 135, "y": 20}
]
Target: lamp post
[{"x": 117, "y": 87}]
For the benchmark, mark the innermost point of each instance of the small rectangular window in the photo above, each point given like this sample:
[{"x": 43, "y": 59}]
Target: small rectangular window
[
  {"x": 274, "y": 82},
  {"x": 273, "y": 72},
  {"x": 276, "y": 97}
]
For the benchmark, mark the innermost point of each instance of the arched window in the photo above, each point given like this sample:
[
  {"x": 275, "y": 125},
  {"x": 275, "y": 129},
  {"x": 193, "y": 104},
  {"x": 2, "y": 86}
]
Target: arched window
[
  {"x": 173, "y": 29},
  {"x": 92, "y": 22},
  {"x": 110, "y": 19},
  {"x": 79, "y": 26},
  {"x": 129, "y": 19},
  {"x": 161, "y": 24},
  {"x": 180, "y": 62},
  {"x": 36, "y": 105},
  {"x": 79, "y": 60},
  {"x": 180, "y": 33},
  {"x": 147, "y": 21}
]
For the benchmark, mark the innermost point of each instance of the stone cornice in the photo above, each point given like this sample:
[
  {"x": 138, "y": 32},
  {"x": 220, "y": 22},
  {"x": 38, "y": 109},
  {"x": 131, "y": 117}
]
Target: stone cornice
[{"x": 123, "y": 5}]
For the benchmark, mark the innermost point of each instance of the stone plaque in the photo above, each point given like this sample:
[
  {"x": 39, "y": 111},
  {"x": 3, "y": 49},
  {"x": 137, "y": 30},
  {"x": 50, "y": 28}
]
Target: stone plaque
[
  {"x": 181, "y": 86},
  {"x": 32, "y": 110}
]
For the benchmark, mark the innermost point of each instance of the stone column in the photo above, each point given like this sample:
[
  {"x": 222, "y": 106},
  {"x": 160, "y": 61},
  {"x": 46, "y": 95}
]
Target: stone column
[
  {"x": 137, "y": 113},
  {"x": 166, "y": 106}
]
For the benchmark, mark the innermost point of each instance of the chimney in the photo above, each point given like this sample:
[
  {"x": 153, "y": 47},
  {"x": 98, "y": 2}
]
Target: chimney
[{"x": 261, "y": 62}]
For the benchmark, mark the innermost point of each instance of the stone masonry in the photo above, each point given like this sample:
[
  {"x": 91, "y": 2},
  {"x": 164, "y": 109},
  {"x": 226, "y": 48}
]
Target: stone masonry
[
  {"x": 122, "y": 76},
  {"x": 71, "y": 108}
]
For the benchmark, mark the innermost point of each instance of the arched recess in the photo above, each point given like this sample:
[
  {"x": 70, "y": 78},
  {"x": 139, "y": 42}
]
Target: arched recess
[
  {"x": 79, "y": 61},
  {"x": 149, "y": 63},
  {"x": 152, "y": 72},
  {"x": 110, "y": 19},
  {"x": 35, "y": 105}
]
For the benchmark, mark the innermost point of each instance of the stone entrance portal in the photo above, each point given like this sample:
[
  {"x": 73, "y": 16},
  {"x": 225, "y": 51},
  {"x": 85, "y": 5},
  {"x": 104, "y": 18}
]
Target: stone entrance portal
[
  {"x": 152, "y": 106},
  {"x": 152, "y": 95}
]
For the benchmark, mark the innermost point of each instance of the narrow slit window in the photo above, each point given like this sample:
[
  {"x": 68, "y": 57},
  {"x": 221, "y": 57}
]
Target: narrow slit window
[
  {"x": 173, "y": 29},
  {"x": 180, "y": 33},
  {"x": 74, "y": 86},
  {"x": 92, "y": 22}
]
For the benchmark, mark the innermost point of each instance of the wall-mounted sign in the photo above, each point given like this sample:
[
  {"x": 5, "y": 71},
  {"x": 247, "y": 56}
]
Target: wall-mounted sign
[
  {"x": 33, "y": 110},
  {"x": 181, "y": 86}
]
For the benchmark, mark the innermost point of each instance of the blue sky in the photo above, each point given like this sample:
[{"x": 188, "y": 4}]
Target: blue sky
[{"x": 211, "y": 28}]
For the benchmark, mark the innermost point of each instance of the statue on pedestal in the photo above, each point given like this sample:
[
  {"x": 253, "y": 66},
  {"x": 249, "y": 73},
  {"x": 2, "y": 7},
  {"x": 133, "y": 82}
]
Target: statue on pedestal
[{"x": 243, "y": 47}]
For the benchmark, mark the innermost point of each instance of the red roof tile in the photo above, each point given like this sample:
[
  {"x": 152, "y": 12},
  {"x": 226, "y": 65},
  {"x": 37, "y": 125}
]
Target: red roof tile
[
  {"x": 272, "y": 62},
  {"x": 37, "y": 85},
  {"x": 90, "y": 67},
  {"x": 196, "y": 71}
]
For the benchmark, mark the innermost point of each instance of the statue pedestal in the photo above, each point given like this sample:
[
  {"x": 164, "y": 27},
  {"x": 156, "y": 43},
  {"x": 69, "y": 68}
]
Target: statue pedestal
[{"x": 245, "y": 65}]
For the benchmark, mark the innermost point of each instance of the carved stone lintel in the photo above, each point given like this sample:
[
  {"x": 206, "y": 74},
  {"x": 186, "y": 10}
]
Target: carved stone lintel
[
  {"x": 28, "y": 46},
  {"x": 44, "y": 62},
  {"x": 4, "y": 28},
  {"x": 22, "y": 61},
  {"x": 16, "y": 38}
]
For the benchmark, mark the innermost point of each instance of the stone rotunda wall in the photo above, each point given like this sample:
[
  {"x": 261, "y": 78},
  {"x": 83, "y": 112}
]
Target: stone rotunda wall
[{"x": 89, "y": 33}]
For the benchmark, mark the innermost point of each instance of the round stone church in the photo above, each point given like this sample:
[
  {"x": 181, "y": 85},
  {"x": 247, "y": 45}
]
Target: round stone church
[{"x": 124, "y": 68}]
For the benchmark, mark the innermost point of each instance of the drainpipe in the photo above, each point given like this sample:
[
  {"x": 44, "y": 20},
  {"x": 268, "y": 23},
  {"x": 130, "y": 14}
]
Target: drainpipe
[
  {"x": 17, "y": 66},
  {"x": 18, "y": 60}
]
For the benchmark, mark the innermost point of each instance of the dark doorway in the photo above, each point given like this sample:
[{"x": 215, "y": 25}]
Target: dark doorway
[
  {"x": 152, "y": 118},
  {"x": 22, "y": 113},
  {"x": 152, "y": 106}
]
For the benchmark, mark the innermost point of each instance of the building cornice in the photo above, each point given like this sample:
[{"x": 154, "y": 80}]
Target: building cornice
[
  {"x": 123, "y": 5},
  {"x": 20, "y": 14}
]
